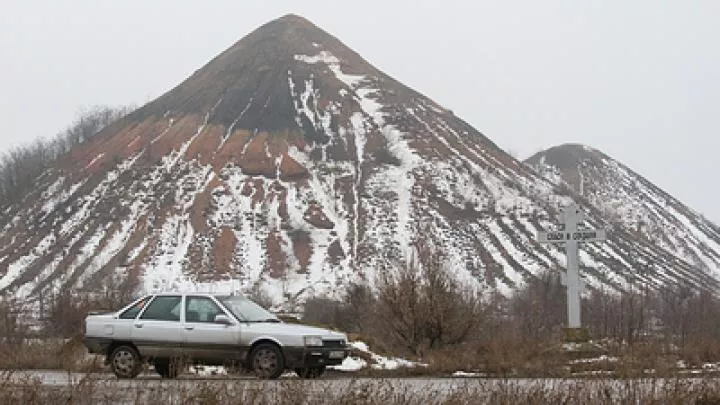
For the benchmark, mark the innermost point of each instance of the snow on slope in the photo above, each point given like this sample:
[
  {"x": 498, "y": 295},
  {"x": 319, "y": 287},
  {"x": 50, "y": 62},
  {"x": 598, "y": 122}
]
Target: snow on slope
[
  {"x": 301, "y": 174},
  {"x": 628, "y": 200}
]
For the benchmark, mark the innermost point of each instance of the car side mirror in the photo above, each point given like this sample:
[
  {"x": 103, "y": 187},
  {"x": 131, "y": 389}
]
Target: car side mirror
[{"x": 223, "y": 319}]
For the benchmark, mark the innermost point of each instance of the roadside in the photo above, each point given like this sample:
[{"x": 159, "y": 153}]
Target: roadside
[
  {"x": 603, "y": 359},
  {"x": 54, "y": 387}
]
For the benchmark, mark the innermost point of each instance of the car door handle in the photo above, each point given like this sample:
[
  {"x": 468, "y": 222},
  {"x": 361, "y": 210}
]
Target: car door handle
[
  {"x": 189, "y": 327},
  {"x": 138, "y": 325}
]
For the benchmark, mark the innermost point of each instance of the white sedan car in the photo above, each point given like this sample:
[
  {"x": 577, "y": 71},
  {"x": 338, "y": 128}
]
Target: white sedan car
[{"x": 170, "y": 330}]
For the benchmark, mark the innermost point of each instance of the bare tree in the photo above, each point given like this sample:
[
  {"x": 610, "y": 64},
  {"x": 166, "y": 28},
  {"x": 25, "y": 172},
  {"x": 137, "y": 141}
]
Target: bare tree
[
  {"x": 66, "y": 314},
  {"x": 352, "y": 314},
  {"x": 421, "y": 305},
  {"x": 539, "y": 309},
  {"x": 89, "y": 123},
  {"x": 12, "y": 331},
  {"x": 602, "y": 312},
  {"x": 400, "y": 306},
  {"x": 259, "y": 295},
  {"x": 21, "y": 166},
  {"x": 451, "y": 309}
]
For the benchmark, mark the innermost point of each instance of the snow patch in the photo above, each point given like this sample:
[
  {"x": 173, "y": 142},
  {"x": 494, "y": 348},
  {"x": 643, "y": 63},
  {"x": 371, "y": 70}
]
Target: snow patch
[{"x": 95, "y": 160}]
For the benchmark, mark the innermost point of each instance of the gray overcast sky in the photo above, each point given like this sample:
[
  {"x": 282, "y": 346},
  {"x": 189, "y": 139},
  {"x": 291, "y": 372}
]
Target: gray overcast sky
[{"x": 638, "y": 79}]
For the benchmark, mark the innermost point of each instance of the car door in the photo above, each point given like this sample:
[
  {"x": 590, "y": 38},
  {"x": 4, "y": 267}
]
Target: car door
[
  {"x": 206, "y": 340},
  {"x": 123, "y": 325},
  {"x": 158, "y": 330}
]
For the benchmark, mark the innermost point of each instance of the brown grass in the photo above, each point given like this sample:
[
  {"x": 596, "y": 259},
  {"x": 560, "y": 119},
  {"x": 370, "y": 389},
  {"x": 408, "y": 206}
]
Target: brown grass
[
  {"x": 53, "y": 354},
  {"x": 16, "y": 388},
  {"x": 494, "y": 359},
  {"x": 370, "y": 387}
]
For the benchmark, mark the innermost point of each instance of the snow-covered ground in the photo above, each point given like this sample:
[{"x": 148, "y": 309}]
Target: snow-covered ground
[
  {"x": 377, "y": 362},
  {"x": 349, "y": 365}
]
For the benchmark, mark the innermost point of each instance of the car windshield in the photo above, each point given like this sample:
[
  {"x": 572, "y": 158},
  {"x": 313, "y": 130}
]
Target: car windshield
[{"x": 247, "y": 310}]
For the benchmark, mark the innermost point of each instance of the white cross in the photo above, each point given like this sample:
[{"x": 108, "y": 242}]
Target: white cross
[{"x": 571, "y": 217}]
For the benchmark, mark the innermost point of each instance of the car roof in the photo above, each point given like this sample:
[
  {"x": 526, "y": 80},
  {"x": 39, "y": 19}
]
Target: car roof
[{"x": 206, "y": 294}]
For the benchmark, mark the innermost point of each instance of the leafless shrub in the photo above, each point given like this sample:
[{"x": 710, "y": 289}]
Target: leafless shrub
[
  {"x": 260, "y": 296},
  {"x": 116, "y": 291},
  {"x": 68, "y": 308},
  {"x": 66, "y": 315},
  {"x": 12, "y": 331},
  {"x": 538, "y": 310},
  {"x": 352, "y": 314},
  {"x": 423, "y": 306}
]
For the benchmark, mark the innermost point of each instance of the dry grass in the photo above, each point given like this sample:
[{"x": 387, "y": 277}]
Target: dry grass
[
  {"x": 382, "y": 387},
  {"x": 497, "y": 359},
  {"x": 15, "y": 389},
  {"x": 48, "y": 354},
  {"x": 512, "y": 359}
]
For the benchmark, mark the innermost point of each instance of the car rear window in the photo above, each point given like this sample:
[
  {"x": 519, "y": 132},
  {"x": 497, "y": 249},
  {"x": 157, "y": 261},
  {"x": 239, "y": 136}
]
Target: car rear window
[{"x": 133, "y": 311}]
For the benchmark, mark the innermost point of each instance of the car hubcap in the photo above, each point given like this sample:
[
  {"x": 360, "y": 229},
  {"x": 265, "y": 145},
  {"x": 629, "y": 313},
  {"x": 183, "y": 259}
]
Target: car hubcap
[
  {"x": 266, "y": 362},
  {"x": 124, "y": 362}
]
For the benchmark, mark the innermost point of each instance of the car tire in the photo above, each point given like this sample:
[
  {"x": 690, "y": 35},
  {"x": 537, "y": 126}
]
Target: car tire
[
  {"x": 125, "y": 362},
  {"x": 166, "y": 368},
  {"x": 310, "y": 372},
  {"x": 267, "y": 361}
]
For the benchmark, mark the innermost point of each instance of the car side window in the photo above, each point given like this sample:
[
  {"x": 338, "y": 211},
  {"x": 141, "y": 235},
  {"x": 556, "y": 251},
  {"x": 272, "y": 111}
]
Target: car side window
[
  {"x": 201, "y": 309},
  {"x": 163, "y": 308},
  {"x": 133, "y": 311}
]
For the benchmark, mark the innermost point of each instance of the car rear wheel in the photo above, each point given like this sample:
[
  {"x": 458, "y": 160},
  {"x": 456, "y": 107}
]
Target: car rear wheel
[
  {"x": 310, "y": 372},
  {"x": 125, "y": 362},
  {"x": 267, "y": 361}
]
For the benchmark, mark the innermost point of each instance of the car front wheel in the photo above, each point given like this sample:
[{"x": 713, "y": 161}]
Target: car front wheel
[
  {"x": 267, "y": 361},
  {"x": 125, "y": 362}
]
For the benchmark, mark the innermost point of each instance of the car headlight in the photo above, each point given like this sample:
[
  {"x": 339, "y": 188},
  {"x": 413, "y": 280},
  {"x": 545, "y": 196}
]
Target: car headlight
[{"x": 313, "y": 340}]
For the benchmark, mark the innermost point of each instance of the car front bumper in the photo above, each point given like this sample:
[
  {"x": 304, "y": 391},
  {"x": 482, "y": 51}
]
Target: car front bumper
[{"x": 302, "y": 357}]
